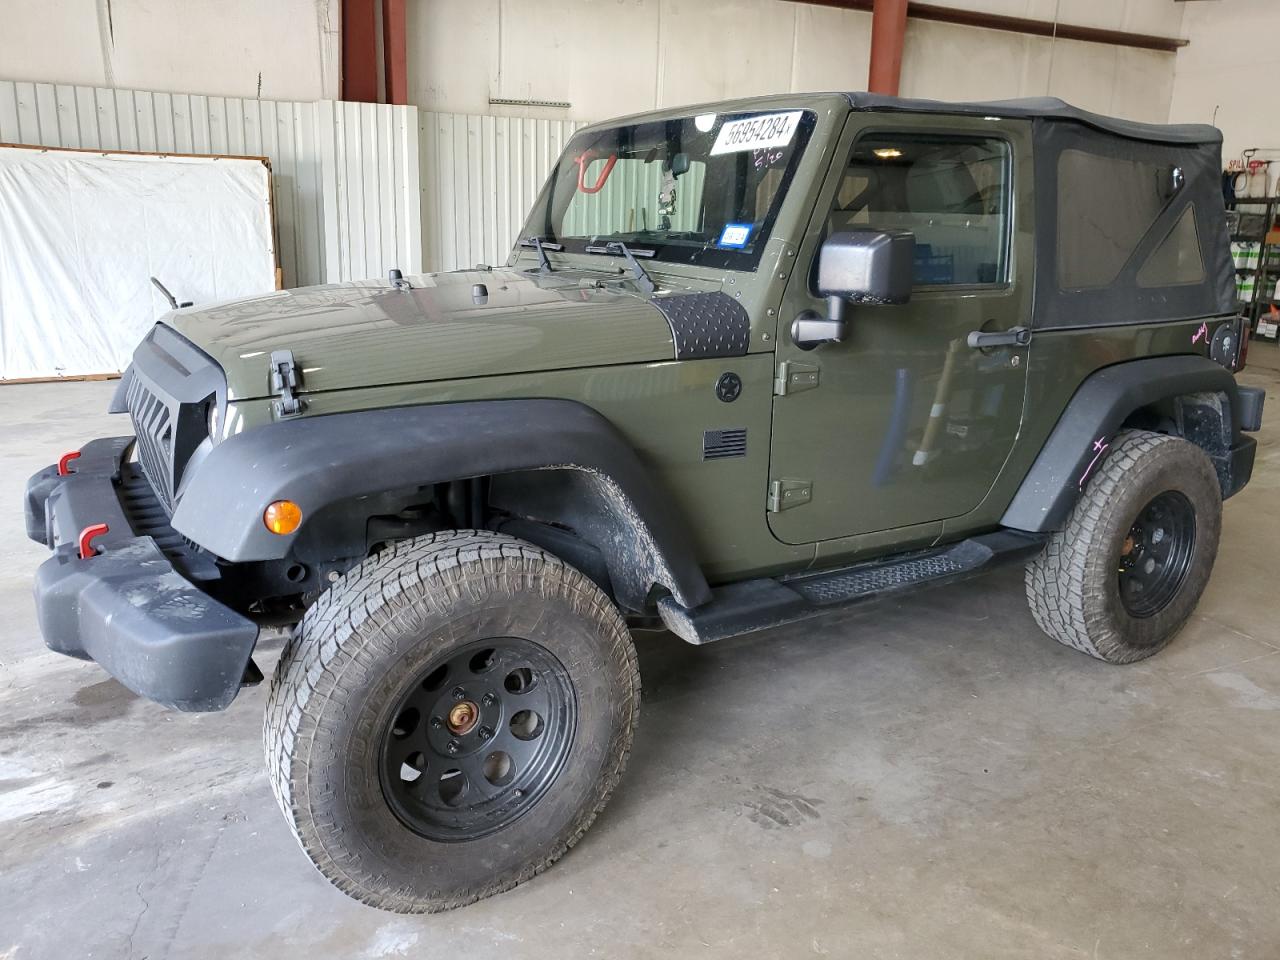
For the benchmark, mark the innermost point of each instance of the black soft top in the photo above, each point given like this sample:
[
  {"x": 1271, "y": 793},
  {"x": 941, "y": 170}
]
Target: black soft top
[
  {"x": 1130, "y": 222},
  {"x": 1047, "y": 108}
]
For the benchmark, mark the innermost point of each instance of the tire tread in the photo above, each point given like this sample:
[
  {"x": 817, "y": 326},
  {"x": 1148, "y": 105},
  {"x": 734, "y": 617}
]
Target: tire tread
[
  {"x": 1057, "y": 581},
  {"x": 340, "y": 632}
]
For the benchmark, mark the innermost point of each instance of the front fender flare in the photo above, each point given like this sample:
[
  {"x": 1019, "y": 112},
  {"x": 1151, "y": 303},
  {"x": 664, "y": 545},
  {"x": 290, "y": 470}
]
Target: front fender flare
[
  {"x": 1095, "y": 412},
  {"x": 319, "y": 462}
]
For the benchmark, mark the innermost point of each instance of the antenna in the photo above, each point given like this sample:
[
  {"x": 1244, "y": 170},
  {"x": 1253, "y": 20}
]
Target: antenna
[{"x": 173, "y": 303}]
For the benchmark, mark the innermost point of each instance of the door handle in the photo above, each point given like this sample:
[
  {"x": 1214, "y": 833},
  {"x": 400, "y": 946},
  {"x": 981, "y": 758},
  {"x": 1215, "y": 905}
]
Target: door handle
[{"x": 1013, "y": 337}]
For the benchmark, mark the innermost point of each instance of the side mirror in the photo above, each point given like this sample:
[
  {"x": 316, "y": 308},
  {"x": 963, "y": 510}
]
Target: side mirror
[{"x": 857, "y": 266}]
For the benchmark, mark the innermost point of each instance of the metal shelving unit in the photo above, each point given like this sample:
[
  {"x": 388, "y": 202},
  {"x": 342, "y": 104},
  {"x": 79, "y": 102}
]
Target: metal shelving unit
[{"x": 1267, "y": 272}]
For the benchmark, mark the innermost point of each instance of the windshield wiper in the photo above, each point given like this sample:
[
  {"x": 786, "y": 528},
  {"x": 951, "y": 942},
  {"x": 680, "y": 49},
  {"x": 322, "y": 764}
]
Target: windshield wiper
[
  {"x": 615, "y": 247},
  {"x": 542, "y": 247}
]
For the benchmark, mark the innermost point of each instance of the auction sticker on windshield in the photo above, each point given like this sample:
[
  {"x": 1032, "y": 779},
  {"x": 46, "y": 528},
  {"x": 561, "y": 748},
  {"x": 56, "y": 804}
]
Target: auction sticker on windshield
[{"x": 757, "y": 133}]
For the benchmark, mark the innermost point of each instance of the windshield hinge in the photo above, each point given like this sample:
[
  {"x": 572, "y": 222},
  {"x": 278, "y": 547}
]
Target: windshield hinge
[
  {"x": 795, "y": 376},
  {"x": 785, "y": 494},
  {"x": 285, "y": 379}
]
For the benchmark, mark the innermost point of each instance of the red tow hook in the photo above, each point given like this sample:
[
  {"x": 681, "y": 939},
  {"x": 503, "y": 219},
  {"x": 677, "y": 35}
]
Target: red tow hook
[
  {"x": 87, "y": 536},
  {"x": 64, "y": 462}
]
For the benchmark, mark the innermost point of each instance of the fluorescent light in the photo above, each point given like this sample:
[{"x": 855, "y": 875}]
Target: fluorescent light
[{"x": 887, "y": 153}]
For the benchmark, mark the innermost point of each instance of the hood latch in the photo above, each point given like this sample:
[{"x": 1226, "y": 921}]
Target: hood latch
[{"x": 285, "y": 379}]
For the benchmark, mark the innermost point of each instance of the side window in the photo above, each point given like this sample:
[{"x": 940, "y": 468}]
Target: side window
[
  {"x": 1106, "y": 206},
  {"x": 1177, "y": 260},
  {"x": 951, "y": 191}
]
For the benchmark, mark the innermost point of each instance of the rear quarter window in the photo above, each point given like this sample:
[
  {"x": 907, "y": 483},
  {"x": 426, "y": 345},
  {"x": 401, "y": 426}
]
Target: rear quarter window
[{"x": 1106, "y": 206}]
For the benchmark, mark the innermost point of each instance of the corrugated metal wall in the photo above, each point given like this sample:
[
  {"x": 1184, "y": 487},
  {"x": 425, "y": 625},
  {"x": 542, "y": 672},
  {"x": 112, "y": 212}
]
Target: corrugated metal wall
[
  {"x": 345, "y": 174},
  {"x": 480, "y": 175},
  {"x": 614, "y": 208},
  {"x": 369, "y": 182}
]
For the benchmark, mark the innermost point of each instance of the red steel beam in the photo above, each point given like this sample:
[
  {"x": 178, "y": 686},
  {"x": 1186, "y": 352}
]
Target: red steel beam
[
  {"x": 395, "y": 58},
  {"x": 1035, "y": 28},
  {"x": 888, "y": 30},
  {"x": 359, "y": 51}
]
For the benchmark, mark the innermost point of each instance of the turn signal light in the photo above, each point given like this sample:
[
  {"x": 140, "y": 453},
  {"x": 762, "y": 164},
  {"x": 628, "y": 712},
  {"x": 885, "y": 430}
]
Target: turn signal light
[{"x": 282, "y": 517}]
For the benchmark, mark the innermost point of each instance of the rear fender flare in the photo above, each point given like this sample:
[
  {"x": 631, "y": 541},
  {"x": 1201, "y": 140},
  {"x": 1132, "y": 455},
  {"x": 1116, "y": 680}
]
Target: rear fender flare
[
  {"x": 1097, "y": 410},
  {"x": 341, "y": 468}
]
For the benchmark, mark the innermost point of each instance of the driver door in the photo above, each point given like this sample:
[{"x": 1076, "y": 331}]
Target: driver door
[{"x": 903, "y": 423}]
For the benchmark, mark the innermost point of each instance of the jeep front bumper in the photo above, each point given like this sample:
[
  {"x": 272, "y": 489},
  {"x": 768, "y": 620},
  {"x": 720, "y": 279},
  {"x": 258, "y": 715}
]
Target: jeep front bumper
[{"x": 128, "y": 607}]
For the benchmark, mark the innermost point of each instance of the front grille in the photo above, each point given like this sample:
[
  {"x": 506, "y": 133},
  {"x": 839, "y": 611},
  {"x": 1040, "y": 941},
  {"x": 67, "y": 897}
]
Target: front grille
[
  {"x": 154, "y": 427},
  {"x": 169, "y": 391}
]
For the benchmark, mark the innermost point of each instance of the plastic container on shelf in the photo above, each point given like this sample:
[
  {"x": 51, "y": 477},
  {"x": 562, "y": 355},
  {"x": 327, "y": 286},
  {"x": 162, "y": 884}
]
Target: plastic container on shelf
[{"x": 1246, "y": 288}]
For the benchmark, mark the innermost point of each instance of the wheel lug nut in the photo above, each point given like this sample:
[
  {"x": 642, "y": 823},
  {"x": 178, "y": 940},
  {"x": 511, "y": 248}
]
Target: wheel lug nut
[
  {"x": 489, "y": 700},
  {"x": 436, "y": 723},
  {"x": 452, "y": 746},
  {"x": 485, "y": 733},
  {"x": 459, "y": 693}
]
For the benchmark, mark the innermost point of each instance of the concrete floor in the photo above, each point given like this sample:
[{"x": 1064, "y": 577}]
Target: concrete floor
[{"x": 925, "y": 778}]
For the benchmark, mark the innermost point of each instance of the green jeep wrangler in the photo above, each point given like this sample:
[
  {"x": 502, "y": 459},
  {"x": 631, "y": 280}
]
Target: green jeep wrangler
[{"x": 748, "y": 362}]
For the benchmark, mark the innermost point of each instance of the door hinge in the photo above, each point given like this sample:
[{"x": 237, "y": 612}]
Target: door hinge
[
  {"x": 785, "y": 494},
  {"x": 794, "y": 376},
  {"x": 285, "y": 379}
]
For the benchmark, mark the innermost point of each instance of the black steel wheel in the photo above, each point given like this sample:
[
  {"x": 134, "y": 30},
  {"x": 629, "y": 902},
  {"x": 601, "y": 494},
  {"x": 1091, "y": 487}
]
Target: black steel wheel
[
  {"x": 449, "y": 719},
  {"x": 1126, "y": 572},
  {"x": 478, "y": 738},
  {"x": 1156, "y": 554}
]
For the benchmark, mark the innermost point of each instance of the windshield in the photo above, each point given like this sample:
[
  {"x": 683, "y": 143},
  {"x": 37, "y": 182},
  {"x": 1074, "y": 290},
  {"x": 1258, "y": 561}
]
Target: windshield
[{"x": 701, "y": 189}]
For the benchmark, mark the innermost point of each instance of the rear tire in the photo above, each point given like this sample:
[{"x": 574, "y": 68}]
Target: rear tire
[
  {"x": 403, "y": 683},
  {"x": 1126, "y": 572}
]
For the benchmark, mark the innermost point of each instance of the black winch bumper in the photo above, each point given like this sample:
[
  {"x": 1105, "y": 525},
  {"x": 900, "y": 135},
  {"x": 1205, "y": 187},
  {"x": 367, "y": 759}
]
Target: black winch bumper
[{"x": 128, "y": 607}]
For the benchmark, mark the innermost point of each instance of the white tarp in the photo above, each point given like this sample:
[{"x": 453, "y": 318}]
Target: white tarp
[{"x": 81, "y": 234}]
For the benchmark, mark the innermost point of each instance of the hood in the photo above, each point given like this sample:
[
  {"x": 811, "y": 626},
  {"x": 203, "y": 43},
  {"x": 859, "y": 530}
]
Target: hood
[{"x": 357, "y": 335}]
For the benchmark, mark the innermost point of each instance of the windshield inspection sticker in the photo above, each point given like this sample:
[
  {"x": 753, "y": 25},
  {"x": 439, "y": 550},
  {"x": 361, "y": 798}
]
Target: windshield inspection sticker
[
  {"x": 757, "y": 133},
  {"x": 735, "y": 235}
]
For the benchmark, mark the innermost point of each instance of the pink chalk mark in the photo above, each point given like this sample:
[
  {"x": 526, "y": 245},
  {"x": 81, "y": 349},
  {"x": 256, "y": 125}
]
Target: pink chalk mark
[
  {"x": 1203, "y": 332},
  {"x": 1100, "y": 447}
]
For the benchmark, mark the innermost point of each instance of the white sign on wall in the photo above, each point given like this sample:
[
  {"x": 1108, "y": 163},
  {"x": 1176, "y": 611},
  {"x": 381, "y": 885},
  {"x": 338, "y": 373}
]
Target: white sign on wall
[{"x": 82, "y": 234}]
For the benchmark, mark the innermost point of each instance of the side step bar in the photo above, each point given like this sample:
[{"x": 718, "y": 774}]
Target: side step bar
[{"x": 751, "y": 605}]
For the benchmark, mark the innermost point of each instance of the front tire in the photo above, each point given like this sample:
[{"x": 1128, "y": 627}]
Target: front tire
[
  {"x": 1126, "y": 572},
  {"x": 449, "y": 718}
]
